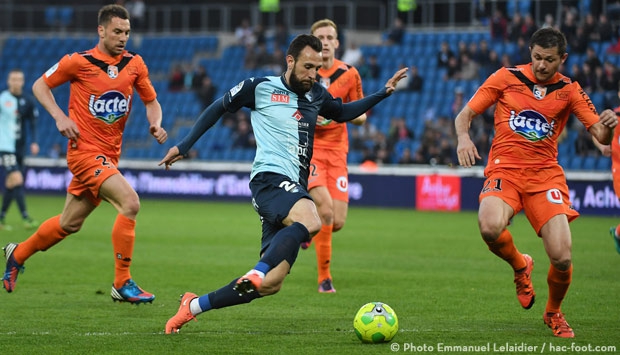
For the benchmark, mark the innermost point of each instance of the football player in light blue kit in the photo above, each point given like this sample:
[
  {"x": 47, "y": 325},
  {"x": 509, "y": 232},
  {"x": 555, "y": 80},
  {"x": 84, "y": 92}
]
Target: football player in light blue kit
[
  {"x": 15, "y": 110},
  {"x": 284, "y": 111}
]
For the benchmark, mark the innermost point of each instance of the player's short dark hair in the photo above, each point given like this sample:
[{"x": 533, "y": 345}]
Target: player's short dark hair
[
  {"x": 108, "y": 12},
  {"x": 549, "y": 37},
  {"x": 302, "y": 41}
]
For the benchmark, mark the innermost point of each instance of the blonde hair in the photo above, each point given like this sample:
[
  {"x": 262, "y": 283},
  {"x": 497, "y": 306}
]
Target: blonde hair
[{"x": 323, "y": 23}]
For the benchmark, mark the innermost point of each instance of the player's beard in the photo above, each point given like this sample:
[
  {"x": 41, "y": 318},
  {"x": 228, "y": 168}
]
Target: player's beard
[{"x": 298, "y": 86}]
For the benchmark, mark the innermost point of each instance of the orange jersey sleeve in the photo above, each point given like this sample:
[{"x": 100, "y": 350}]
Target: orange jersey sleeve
[
  {"x": 615, "y": 151},
  {"x": 530, "y": 116},
  {"x": 343, "y": 81},
  {"x": 101, "y": 95}
]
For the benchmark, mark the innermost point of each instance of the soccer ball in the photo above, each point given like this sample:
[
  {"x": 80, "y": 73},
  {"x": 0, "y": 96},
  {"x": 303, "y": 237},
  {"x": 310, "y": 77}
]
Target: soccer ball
[{"x": 375, "y": 322}]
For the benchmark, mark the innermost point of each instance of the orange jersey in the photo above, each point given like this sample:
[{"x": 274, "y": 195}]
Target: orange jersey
[
  {"x": 615, "y": 157},
  {"x": 101, "y": 95},
  {"x": 343, "y": 81},
  {"x": 529, "y": 116}
]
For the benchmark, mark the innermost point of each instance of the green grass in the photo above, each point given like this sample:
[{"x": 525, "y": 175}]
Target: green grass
[{"x": 432, "y": 268}]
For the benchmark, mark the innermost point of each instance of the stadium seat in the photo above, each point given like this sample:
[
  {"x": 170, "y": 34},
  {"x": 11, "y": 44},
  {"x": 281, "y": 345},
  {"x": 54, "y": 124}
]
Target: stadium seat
[
  {"x": 603, "y": 164},
  {"x": 589, "y": 163},
  {"x": 576, "y": 163}
]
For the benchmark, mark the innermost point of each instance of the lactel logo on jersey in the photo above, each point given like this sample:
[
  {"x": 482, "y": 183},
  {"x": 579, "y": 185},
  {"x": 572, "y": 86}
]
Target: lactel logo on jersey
[
  {"x": 531, "y": 125},
  {"x": 109, "y": 107}
]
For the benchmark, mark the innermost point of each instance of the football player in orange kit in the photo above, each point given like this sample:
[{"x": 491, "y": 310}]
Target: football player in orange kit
[
  {"x": 102, "y": 81},
  {"x": 613, "y": 150},
  {"x": 534, "y": 102},
  {"x": 328, "y": 182}
]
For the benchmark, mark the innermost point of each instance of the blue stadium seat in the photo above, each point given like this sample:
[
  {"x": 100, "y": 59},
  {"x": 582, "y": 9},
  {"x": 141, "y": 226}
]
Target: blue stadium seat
[
  {"x": 576, "y": 163},
  {"x": 603, "y": 164},
  {"x": 589, "y": 163}
]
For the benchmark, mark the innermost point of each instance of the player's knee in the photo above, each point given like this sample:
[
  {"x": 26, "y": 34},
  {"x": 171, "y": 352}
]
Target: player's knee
[
  {"x": 562, "y": 263},
  {"x": 338, "y": 225},
  {"x": 71, "y": 226},
  {"x": 130, "y": 207},
  {"x": 490, "y": 232}
]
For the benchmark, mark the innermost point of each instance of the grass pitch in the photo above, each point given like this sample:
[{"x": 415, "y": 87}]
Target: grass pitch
[{"x": 449, "y": 292}]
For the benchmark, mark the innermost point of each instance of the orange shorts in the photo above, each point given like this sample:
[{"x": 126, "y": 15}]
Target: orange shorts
[
  {"x": 329, "y": 168},
  {"x": 541, "y": 193},
  {"x": 90, "y": 169}
]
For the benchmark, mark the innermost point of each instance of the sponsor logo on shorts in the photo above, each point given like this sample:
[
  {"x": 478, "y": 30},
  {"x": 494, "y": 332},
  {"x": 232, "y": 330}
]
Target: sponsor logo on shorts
[
  {"x": 554, "y": 196},
  {"x": 342, "y": 183}
]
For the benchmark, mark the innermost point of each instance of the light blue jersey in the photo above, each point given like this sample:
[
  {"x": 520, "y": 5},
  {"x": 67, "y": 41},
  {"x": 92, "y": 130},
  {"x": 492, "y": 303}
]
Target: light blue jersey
[
  {"x": 283, "y": 124},
  {"x": 9, "y": 120}
]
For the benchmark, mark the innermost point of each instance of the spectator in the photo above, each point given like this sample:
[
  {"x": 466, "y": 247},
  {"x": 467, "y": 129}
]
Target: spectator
[
  {"x": 569, "y": 26},
  {"x": 244, "y": 34},
  {"x": 137, "y": 10},
  {"x": 605, "y": 29},
  {"x": 529, "y": 26},
  {"x": 352, "y": 55},
  {"x": 280, "y": 37},
  {"x": 469, "y": 69},
  {"x": 515, "y": 27},
  {"x": 416, "y": 82},
  {"x": 592, "y": 58},
  {"x": 492, "y": 65},
  {"x": 549, "y": 21},
  {"x": 458, "y": 102},
  {"x": 579, "y": 42},
  {"x": 206, "y": 92},
  {"x": 176, "y": 81},
  {"x": 444, "y": 55},
  {"x": 498, "y": 26},
  {"x": 374, "y": 70},
  {"x": 396, "y": 33},
  {"x": 453, "y": 69},
  {"x": 398, "y": 131},
  {"x": 243, "y": 137},
  {"x": 483, "y": 55},
  {"x": 590, "y": 28},
  {"x": 522, "y": 53},
  {"x": 198, "y": 78},
  {"x": 278, "y": 61},
  {"x": 406, "y": 157}
]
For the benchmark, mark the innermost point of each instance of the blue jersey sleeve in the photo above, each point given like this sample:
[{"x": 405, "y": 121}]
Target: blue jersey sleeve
[{"x": 334, "y": 109}]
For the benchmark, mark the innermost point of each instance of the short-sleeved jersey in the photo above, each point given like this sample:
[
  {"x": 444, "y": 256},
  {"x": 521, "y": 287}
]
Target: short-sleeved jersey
[
  {"x": 283, "y": 123},
  {"x": 101, "y": 94},
  {"x": 343, "y": 81},
  {"x": 529, "y": 116},
  {"x": 9, "y": 121}
]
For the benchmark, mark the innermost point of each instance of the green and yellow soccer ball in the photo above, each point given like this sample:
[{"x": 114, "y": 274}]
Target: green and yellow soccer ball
[{"x": 375, "y": 322}]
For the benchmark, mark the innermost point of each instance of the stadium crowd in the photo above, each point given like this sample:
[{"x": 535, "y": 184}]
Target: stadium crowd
[{"x": 592, "y": 42}]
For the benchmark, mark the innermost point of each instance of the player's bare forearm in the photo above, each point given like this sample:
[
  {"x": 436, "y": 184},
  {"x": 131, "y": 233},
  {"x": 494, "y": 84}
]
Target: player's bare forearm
[{"x": 603, "y": 130}]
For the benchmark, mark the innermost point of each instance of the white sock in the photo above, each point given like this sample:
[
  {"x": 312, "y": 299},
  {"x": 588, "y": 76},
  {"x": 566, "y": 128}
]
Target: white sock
[{"x": 194, "y": 307}]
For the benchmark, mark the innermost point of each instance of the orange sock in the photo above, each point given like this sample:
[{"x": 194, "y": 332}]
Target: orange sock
[
  {"x": 618, "y": 230},
  {"x": 47, "y": 235},
  {"x": 558, "y": 282},
  {"x": 323, "y": 245},
  {"x": 123, "y": 237},
  {"x": 505, "y": 248}
]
